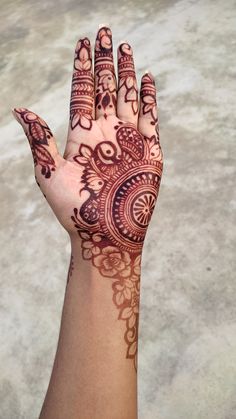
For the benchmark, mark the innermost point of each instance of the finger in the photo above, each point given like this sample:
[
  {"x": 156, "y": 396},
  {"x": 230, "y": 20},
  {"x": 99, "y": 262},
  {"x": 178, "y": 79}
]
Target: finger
[
  {"x": 41, "y": 140},
  {"x": 105, "y": 78},
  {"x": 127, "y": 103},
  {"x": 82, "y": 89},
  {"x": 148, "y": 120}
]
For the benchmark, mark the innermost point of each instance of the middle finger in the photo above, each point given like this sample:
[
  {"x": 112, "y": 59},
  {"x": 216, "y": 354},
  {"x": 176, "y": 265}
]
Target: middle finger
[{"x": 105, "y": 78}]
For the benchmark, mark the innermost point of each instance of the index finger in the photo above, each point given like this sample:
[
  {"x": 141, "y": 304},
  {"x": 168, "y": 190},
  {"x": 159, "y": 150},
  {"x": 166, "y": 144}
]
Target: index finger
[{"x": 82, "y": 89}]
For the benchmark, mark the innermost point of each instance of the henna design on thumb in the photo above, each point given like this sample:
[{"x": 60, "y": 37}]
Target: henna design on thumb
[{"x": 38, "y": 134}]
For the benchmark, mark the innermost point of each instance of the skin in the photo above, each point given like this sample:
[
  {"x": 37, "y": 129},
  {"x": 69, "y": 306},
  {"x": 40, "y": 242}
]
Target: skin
[{"x": 103, "y": 192}]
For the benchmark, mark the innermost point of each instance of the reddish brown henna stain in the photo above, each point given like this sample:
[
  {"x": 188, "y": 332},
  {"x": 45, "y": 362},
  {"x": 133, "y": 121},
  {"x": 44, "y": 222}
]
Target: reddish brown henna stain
[
  {"x": 104, "y": 72},
  {"x": 38, "y": 134},
  {"x": 127, "y": 78},
  {"x": 82, "y": 91},
  {"x": 148, "y": 99},
  {"x": 123, "y": 183}
]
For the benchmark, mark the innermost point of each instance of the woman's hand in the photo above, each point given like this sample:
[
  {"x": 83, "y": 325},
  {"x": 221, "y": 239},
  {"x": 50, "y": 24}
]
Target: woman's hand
[{"x": 105, "y": 188}]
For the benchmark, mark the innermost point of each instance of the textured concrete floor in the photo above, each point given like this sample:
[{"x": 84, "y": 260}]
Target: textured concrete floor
[{"x": 188, "y": 318}]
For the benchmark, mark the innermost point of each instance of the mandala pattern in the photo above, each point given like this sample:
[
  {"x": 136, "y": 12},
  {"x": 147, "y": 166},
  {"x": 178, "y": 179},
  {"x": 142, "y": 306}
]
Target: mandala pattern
[
  {"x": 123, "y": 182},
  {"x": 38, "y": 134}
]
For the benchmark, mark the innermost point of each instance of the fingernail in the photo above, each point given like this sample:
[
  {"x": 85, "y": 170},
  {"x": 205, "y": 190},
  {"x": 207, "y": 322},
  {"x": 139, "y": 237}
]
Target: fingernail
[
  {"x": 103, "y": 25},
  {"x": 147, "y": 71}
]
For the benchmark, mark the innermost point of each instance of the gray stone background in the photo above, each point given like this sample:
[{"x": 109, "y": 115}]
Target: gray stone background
[{"x": 188, "y": 317}]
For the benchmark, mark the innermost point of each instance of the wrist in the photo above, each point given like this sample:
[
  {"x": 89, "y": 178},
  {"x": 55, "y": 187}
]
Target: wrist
[
  {"x": 112, "y": 276},
  {"x": 98, "y": 253}
]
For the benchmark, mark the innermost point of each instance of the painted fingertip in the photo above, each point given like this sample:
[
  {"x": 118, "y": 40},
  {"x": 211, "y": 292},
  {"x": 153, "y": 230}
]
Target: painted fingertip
[
  {"x": 103, "y": 25},
  {"x": 78, "y": 43},
  {"x": 150, "y": 75}
]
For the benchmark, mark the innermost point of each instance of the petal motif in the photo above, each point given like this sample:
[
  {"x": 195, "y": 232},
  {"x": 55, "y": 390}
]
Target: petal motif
[
  {"x": 98, "y": 260},
  {"x": 85, "y": 122},
  {"x": 126, "y": 313},
  {"x": 125, "y": 272},
  {"x": 132, "y": 349}
]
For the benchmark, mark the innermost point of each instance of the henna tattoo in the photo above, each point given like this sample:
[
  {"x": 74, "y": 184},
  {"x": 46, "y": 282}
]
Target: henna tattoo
[
  {"x": 70, "y": 270},
  {"x": 127, "y": 78},
  {"x": 82, "y": 91},
  {"x": 148, "y": 99},
  {"x": 105, "y": 73},
  {"x": 38, "y": 134},
  {"x": 122, "y": 180}
]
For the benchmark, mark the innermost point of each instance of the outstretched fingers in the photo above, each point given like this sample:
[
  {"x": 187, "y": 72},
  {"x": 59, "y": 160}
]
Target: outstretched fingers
[
  {"x": 127, "y": 104},
  {"x": 105, "y": 78},
  {"x": 43, "y": 145},
  {"x": 82, "y": 90}
]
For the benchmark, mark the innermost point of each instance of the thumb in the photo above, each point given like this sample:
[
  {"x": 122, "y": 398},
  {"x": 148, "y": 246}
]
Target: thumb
[{"x": 41, "y": 140}]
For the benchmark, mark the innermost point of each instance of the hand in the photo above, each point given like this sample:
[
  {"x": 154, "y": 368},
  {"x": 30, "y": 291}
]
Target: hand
[{"x": 105, "y": 188}]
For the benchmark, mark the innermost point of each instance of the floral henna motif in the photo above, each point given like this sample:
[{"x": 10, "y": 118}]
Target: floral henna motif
[
  {"x": 123, "y": 181},
  {"x": 104, "y": 72},
  {"x": 81, "y": 105},
  {"x": 148, "y": 99},
  {"x": 127, "y": 76},
  {"x": 38, "y": 134}
]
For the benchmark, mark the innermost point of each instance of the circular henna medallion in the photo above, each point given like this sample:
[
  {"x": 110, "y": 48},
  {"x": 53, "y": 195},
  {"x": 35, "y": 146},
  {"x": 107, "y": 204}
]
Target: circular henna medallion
[
  {"x": 143, "y": 207},
  {"x": 127, "y": 203}
]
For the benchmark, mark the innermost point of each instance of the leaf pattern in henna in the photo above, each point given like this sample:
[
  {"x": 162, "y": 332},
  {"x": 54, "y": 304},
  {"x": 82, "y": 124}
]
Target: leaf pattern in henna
[
  {"x": 148, "y": 100},
  {"x": 43, "y": 157},
  {"x": 38, "y": 134}
]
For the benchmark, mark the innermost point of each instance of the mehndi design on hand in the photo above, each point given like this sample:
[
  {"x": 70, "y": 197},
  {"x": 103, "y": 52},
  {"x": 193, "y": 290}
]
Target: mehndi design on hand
[{"x": 107, "y": 185}]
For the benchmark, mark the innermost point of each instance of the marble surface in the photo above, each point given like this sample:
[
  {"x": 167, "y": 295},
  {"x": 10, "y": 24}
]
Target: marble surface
[{"x": 188, "y": 317}]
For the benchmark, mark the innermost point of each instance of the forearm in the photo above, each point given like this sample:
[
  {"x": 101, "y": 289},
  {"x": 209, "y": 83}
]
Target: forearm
[{"x": 91, "y": 378}]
